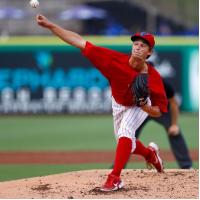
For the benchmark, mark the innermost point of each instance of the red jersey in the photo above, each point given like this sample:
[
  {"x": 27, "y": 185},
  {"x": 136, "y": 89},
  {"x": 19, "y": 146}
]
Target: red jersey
[{"x": 115, "y": 67}]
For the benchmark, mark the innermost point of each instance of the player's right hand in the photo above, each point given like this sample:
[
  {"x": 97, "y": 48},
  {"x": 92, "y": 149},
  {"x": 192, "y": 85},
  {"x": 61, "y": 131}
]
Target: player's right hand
[{"x": 43, "y": 21}]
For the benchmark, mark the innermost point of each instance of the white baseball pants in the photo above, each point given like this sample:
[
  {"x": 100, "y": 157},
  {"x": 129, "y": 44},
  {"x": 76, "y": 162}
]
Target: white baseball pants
[{"x": 127, "y": 119}]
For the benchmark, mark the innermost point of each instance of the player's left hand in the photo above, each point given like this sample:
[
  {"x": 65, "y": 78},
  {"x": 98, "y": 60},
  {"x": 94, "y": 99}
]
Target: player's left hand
[
  {"x": 173, "y": 130},
  {"x": 140, "y": 90}
]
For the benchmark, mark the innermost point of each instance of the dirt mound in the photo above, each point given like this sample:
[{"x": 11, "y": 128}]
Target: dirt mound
[{"x": 85, "y": 185}]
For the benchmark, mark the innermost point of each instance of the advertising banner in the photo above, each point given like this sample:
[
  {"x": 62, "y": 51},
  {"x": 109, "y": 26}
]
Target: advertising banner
[
  {"x": 190, "y": 83},
  {"x": 52, "y": 80},
  {"x": 59, "y": 79}
]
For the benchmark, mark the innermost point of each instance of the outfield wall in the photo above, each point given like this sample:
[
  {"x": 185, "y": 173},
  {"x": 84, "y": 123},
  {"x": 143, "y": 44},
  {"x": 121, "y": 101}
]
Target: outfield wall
[{"x": 43, "y": 75}]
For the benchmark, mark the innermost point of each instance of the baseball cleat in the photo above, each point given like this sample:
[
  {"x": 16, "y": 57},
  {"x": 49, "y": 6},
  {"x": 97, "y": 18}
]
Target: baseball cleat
[
  {"x": 154, "y": 160},
  {"x": 112, "y": 183}
]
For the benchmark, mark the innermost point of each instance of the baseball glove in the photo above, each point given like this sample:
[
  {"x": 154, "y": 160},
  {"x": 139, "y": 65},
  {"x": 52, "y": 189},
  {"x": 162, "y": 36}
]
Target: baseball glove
[{"x": 140, "y": 89}]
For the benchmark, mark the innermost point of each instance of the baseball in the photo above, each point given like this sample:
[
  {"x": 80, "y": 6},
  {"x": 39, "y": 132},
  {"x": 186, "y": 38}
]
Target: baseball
[{"x": 34, "y": 3}]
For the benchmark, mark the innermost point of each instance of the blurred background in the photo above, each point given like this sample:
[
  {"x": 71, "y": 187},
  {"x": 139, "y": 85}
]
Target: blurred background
[
  {"x": 53, "y": 100},
  {"x": 103, "y": 17}
]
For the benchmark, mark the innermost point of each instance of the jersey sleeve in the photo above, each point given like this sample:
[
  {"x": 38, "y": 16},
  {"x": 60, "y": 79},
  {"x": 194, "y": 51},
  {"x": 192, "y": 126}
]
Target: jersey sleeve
[
  {"x": 157, "y": 92},
  {"x": 100, "y": 57}
]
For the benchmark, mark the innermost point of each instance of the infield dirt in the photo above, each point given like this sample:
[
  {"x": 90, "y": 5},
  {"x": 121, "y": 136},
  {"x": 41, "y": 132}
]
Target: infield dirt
[{"x": 173, "y": 184}]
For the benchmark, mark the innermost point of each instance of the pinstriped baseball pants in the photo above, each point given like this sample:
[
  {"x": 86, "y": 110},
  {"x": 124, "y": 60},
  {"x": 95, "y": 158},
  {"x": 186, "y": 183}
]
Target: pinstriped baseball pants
[{"x": 127, "y": 119}]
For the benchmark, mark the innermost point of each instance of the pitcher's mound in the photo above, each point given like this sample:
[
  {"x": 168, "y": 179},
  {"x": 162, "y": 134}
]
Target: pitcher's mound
[{"x": 85, "y": 184}]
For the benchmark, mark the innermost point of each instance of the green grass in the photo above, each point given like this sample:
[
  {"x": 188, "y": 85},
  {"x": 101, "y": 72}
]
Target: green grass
[
  {"x": 12, "y": 172},
  {"x": 48, "y": 133},
  {"x": 189, "y": 124},
  {"x": 56, "y": 133},
  {"x": 167, "y": 165},
  {"x": 43, "y": 133}
]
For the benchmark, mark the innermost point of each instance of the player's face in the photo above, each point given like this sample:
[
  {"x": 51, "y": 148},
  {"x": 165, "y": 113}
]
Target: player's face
[{"x": 141, "y": 49}]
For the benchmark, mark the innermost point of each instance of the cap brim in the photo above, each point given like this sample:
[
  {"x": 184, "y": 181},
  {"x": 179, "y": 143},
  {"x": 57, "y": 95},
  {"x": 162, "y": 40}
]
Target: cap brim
[{"x": 133, "y": 38}]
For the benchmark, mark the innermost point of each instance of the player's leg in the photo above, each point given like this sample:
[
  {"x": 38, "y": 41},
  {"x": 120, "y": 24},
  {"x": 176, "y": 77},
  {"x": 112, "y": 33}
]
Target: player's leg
[
  {"x": 150, "y": 153},
  {"x": 126, "y": 121},
  {"x": 132, "y": 119},
  {"x": 177, "y": 143},
  {"x": 123, "y": 150},
  {"x": 137, "y": 133}
]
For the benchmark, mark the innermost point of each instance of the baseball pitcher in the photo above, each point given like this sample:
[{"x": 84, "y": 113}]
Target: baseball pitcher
[{"x": 137, "y": 91}]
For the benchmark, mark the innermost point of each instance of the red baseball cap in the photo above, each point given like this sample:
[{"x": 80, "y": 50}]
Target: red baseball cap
[{"x": 149, "y": 38}]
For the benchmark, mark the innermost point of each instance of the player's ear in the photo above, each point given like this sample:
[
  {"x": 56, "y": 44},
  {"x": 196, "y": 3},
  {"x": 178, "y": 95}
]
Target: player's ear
[{"x": 150, "y": 52}]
